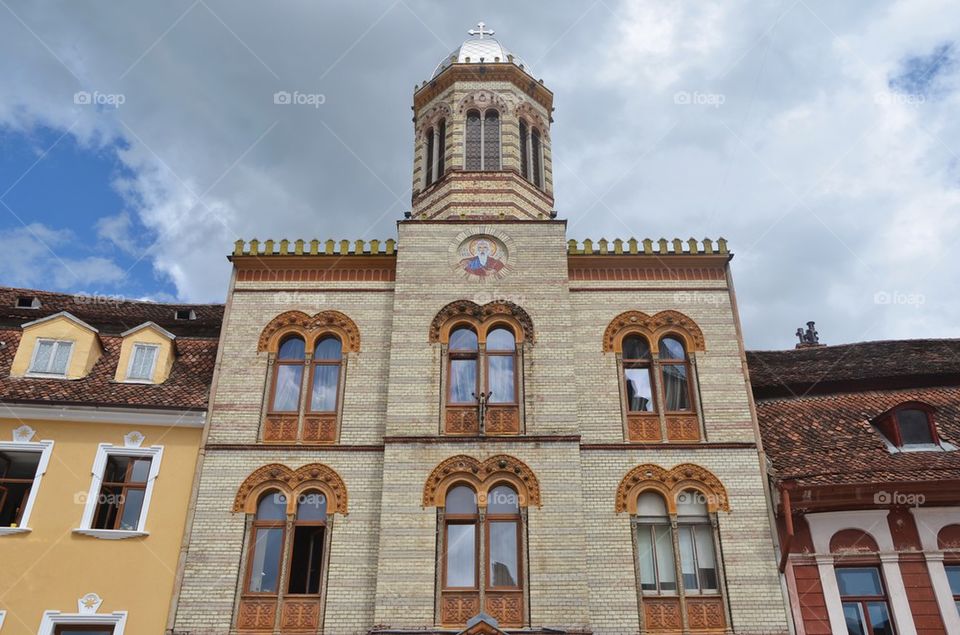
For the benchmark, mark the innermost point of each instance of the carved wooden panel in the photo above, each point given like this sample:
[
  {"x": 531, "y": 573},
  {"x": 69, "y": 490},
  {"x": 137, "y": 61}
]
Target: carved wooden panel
[
  {"x": 506, "y": 607},
  {"x": 280, "y": 428},
  {"x": 502, "y": 420},
  {"x": 683, "y": 428},
  {"x": 643, "y": 427},
  {"x": 457, "y": 608},
  {"x": 320, "y": 428},
  {"x": 705, "y": 613},
  {"x": 256, "y": 614},
  {"x": 462, "y": 421},
  {"x": 662, "y": 614},
  {"x": 300, "y": 615}
]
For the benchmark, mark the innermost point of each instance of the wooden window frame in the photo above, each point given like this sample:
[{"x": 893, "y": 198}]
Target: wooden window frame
[
  {"x": 650, "y": 526},
  {"x": 314, "y": 362},
  {"x": 863, "y": 600},
  {"x": 104, "y": 451},
  {"x": 685, "y": 362},
  {"x": 693, "y": 522},
  {"x": 645, "y": 363},
  {"x": 468, "y": 354},
  {"x": 486, "y": 354},
  {"x": 125, "y": 485},
  {"x": 277, "y": 363},
  {"x": 517, "y": 519},
  {"x": 289, "y": 554},
  {"x": 462, "y": 519},
  {"x": 42, "y": 449},
  {"x": 252, "y": 547}
]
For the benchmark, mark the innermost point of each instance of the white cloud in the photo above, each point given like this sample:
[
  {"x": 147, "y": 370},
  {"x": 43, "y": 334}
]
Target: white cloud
[{"x": 34, "y": 259}]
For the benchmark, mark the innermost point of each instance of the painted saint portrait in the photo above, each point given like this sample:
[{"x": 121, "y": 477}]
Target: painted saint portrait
[{"x": 482, "y": 256}]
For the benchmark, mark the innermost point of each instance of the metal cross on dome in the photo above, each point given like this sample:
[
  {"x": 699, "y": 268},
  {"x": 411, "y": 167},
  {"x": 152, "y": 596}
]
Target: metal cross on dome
[{"x": 481, "y": 32}]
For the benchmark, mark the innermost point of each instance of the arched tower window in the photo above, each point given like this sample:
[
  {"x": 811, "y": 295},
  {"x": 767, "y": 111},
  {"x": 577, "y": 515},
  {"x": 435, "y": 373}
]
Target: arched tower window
[
  {"x": 536, "y": 154},
  {"x": 288, "y": 375},
  {"x": 434, "y": 151},
  {"x": 428, "y": 158},
  {"x": 482, "y": 141},
  {"x": 524, "y": 150},
  {"x": 441, "y": 147}
]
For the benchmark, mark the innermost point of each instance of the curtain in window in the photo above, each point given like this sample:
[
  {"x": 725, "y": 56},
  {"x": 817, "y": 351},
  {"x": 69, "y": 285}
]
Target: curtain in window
[
  {"x": 287, "y": 392},
  {"x": 639, "y": 389},
  {"x": 60, "y": 356},
  {"x": 675, "y": 388},
  {"x": 491, "y": 140},
  {"x": 463, "y": 380},
  {"x": 501, "y": 374},
  {"x": 41, "y": 361},
  {"x": 143, "y": 357},
  {"x": 473, "y": 160}
]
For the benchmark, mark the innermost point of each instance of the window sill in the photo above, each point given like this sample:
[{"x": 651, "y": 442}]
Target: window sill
[
  {"x": 13, "y": 531},
  {"x": 111, "y": 534},
  {"x": 32, "y": 375},
  {"x": 136, "y": 381}
]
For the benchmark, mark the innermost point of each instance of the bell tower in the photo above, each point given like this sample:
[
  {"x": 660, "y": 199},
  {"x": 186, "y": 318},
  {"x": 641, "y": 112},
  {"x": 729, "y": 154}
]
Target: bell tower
[{"x": 482, "y": 137}]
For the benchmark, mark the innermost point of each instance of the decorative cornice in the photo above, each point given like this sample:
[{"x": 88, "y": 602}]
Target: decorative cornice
[
  {"x": 482, "y": 475},
  {"x": 504, "y": 72},
  {"x": 670, "y": 483},
  {"x": 662, "y": 247},
  {"x": 653, "y": 327},
  {"x": 472, "y": 310},
  {"x": 314, "y": 248},
  {"x": 292, "y": 483}
]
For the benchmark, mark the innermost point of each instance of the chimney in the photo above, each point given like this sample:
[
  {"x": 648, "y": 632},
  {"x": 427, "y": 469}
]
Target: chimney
[{"x": 809, "y": 338}]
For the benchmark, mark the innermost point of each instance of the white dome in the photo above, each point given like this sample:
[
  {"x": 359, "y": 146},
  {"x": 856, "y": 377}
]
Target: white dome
[{"x": 480, "y": 49}]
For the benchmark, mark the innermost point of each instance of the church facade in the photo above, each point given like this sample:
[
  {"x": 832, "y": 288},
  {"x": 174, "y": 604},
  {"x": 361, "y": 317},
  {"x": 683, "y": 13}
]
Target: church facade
[{"x": 483, "y": 424}]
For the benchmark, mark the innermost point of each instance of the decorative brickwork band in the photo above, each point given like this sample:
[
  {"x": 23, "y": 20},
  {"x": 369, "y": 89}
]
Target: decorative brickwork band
[
  {"x": 292, "y": 483},
  {"x": 653, "y": 328},
  {"x": 477, "y": 315},
  {"x": 483, "y": 476},
  {"x": 310, "y": 328},
  {"x": 671, "y": 483}
]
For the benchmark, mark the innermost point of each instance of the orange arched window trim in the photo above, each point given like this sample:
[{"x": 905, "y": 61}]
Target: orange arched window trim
[
  {"x": 670, "y": 484},
  {"x": 482, "y": 318},
  {"x": 482, "y": 476},
  {"x": 653, "y": 327},
  {"x": 311, "y": 329},
  {"x": 293, "y": 484}
]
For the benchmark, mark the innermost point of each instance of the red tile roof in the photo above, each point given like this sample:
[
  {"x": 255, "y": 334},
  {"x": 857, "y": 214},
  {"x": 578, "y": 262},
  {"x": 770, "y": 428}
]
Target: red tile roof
[
  {"x": 187, "y": 387},
  {"x": 815, "y": 406}
]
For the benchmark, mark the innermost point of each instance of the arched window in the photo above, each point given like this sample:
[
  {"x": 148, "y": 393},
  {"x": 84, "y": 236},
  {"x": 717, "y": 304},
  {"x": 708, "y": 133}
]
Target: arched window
[
  {"x": 463, "y": 379},
  {"x": 461, "y": 539},
  {"x": 441, "y": 147},
  {"x": 503, "y": 538},
  {"x": 428, "y": 158},
  {"x": 524, "y": 150},
  {"x": 307, "y": 546},
  {"x": 655, "y": 560},
  {"x": 482, "y": 141},
  {"x": 325, "y": 382},
  {"x": 501, "y": 363},
  {"x": 536, "y": 154},
  {"x": 288, "y": 375},
  {"x": 675, "y": 372},
  {"x": 266, "y": 546},
  {"x": 637, "y": 377},
  {"x": 434, "y": 151},
  {"x": 698, "y": 562},
  {"x": 910, "y": 425}
]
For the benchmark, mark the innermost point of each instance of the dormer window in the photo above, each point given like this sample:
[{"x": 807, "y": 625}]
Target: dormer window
[
  {"x": 910, "y": 427},
  {"x": 143, "y": 360},
  {"x": 51, "y": 357},
  {"x": 27, "y": 302},
  {"x": 185, "y": 314}
]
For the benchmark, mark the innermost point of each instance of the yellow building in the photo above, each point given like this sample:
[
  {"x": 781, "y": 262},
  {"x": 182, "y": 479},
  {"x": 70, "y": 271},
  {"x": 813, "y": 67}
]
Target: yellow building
[{"x": 102, "y": 409}]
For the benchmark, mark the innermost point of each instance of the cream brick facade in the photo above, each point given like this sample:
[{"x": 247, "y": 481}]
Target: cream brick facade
[{"x": 579, "y": 573}]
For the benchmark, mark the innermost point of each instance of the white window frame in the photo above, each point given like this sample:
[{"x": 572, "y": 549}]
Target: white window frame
[
  {"x": 153, "y": 365},
  {"x": 52, "y": 619},
  {"x": 36, "y": 349},
  {"x": 44, "y": 448},
  {"x": 104, "y": 451},
  {"x": 3, "y": 615}
]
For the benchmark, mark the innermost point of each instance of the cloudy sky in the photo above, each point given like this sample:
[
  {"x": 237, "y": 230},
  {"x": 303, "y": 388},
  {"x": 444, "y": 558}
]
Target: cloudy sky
[{"x": 821, "y": 138}]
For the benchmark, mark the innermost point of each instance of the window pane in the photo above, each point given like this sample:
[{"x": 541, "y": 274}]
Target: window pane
[
  {"x": 692, "y": 503},
  {"x": 265, "y": 571},
  {"x": 914, "y": 427},
  {"x": 13, "y": 497},
  {"x": 651, "y": 505},
  {"x": 671, "y": 348},
  {"x": 323, "y": 397},
  {"x": 19, "y": 464},
  {"x": 856, "y": 625},
  {"x": 286, "y": 394},
  {"x": 665, "y": 559},
  {"x": 461, "y": 500},
  {"x": 306, "y": 560},
  {"x": 463, "y": 340},
  {"x": 706, "y": 560},
  {"x": 108, "y": 506},
  {"x": 328, "y": 348},
  {"x": 61, "y": 354},
  {"x": 503, "y": 500},
  {"x": 132, "y": 504},
  {"x": 500, "y": 377},
  {"x": 503, "y": 554},
  {"x": 140, "y": 470},
  {"x": 953, "y": 576},
  {"x": 463, "y": 380},
  {"x": 859, "y": 581},
  {"x": 639, "y": 391},
  {"x": 687, "y": 560},
  {"x": 675, "y": 390},
  {"x": 535, "y": 143},
  {"x": 292, "y": 348},
  {"x": 312, "y": 506},
  {"x": 491, "y": 140},
  {"x": 441, "y": 147},
  {"x": 41, "y": 361},
  {"x": 879, "y": 618},
  {"x": 635, "y": 348},
  {"x": 524, "y": 158},
  {"x": 472, "y": 158},
  {"x": 645, "y": 555},
  {"x": 142, "y": 365},
  {"x": 429, "y": 157},
  {"x": 272, "y": 506},
  {"x": 461, "y": 555},
  {"x": 501, "y": 340}
]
